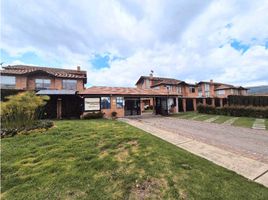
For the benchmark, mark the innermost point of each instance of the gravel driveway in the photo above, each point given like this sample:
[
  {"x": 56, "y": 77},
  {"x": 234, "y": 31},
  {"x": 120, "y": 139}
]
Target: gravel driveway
[{"x": 244, "y": 141}]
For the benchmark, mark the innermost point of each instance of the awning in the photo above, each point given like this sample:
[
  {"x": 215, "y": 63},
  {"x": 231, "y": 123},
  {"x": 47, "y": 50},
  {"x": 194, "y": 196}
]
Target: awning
[{"x": 56, "y": 92}]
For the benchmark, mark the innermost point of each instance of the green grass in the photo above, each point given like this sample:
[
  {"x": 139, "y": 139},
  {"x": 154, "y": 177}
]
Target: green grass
[
  {"x": 244, "y": 122},
  {"x": 107, "y": 159},
  {"x": 185, "y": 115},
  {"x": 222, "y": 119},
  {"x": 266, "y": 124}
]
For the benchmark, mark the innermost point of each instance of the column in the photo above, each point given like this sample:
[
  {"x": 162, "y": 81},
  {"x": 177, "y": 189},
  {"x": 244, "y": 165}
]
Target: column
[
  {"x": 221, "y": 102},
  {"x": 194, "y": 103},
  {"x": 184, "y": 105},
  {"x": 204, "y": 101},
  {"x": 213, "y": 102},
  {"x": 59, "y": 107},
  {"x": 177, "y": 105}
]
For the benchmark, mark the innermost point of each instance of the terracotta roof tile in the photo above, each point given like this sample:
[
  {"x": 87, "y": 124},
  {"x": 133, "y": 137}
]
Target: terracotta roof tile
[
  {"x": 102, "y": 90},
  {"x": 25, "y": 69}
]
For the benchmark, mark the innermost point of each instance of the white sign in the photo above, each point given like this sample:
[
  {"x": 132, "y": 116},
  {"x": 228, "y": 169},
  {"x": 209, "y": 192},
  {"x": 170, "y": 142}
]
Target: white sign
[{"x": 92, "y": 104}]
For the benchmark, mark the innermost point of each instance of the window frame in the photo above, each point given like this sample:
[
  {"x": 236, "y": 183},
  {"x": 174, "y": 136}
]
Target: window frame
[
  {"x": 109, "y": 102},
  {"x": 43, "y": 83},
  {"x": 63, "y": 84},
  {"x": 8, "y": 85},
  {"x": 119, "y": 100}
]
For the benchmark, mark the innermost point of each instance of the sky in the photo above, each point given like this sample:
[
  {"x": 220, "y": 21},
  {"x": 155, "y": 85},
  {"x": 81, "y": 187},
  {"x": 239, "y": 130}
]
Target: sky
[{"x": 117, "y": 41}]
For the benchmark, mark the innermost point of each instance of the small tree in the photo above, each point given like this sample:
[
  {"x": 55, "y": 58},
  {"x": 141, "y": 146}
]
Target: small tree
[{"x": 21, "y": 110}]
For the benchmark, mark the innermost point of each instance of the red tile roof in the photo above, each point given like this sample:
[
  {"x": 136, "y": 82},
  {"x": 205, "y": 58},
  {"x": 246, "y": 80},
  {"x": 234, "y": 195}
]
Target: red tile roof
[
  {"x": 160, "y": 80},
  {"x": 225, "y": 87},
  {"x": 57, "y": 72},
  {"x": 102, "y": 90}
]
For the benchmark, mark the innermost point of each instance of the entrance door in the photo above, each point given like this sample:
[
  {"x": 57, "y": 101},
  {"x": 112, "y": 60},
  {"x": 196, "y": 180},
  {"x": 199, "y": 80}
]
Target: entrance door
[
  {"x": 132, "y": 106},
  {"x": 161, "y": 107},
  {"x": 180, "y": 104}
]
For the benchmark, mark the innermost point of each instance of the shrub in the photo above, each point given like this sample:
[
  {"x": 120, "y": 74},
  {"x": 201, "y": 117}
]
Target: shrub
[
  {"x": 237, "y": 111},
  {"x": 38, "y": 124},
  {"x": 21, "y": 111},
  {"x": 114, "y": 114},
  {"x": 93, "y": 115}
]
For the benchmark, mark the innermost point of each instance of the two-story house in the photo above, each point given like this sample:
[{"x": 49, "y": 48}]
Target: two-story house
[
  {"x": 61, "y": 85},
  {"x": 191, "y": 94}
]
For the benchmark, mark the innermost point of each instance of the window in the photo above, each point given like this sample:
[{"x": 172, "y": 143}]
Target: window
[
  {"x": 207, "y": 94},
  {"x": 119, "y": 102},
  {"x": 8, "y": 81},
  {"x": 220, "y": 92},
  {"x": 68, "y": 84},
  {"x": 105, "y": 103},
  {"x": 42, "y": 84},
  {"x": 207, "y": 87},
  {"x": 156, "y": 88},
  {"x": 192, "y": 89},
  {"x": 168, "y": 87},
  {"x": 179, "y": 89},
  {"x": 147, "y": 83}
]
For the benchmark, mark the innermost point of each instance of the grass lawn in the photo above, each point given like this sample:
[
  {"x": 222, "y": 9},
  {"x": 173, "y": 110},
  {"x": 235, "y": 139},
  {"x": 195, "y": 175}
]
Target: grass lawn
[
  {"x": 241, "y": 121},
  {"x": 106, "y": 159},
  {"x": 222, "y": 119},
  {"x": 266, "y": 124},
  {"x": 244, "y": 122}
]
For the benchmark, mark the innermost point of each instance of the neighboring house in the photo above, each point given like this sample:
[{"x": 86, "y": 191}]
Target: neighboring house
[
  {"x": 202, "y": 89},
  {"x": 189, "y": 95},
  {"x": 258, "y": 90},
  {"x": 22, "y": 77},
  {"x": 61, "y": 85}
]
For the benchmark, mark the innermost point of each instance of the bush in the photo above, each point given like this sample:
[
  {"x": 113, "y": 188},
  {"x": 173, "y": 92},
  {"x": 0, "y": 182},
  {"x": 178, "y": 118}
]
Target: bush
[
  {"x": 20, "y": 112},
  {"x": 93, "y": 115},
  {"x": 237, "y": 111},
  {"x": 38, "y": 124}
]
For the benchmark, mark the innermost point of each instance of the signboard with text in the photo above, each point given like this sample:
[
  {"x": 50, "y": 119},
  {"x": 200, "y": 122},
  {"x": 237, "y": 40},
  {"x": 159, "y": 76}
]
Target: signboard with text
[{"x": 92, "y": 104}]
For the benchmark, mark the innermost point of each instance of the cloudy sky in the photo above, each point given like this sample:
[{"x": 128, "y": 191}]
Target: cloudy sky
[{"x": 117, "y": 41}]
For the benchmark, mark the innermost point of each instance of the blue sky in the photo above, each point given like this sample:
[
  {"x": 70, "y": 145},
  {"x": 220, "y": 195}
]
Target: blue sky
[{"x": 118, "y": 41}]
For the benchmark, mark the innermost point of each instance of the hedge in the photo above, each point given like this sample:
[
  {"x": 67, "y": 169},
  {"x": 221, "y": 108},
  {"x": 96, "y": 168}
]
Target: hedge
[
  {"x": 248, "y": 100},
  {"x": 93, "y": 115},
  {"x": 237, "y": 111}
]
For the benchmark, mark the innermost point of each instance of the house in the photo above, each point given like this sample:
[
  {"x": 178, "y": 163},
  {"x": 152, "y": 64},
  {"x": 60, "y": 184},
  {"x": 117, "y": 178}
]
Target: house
[
  {"x": 189, "y": 95},
  {"x": 62, "y": 85},
  {"x": 126, "y": 101}
]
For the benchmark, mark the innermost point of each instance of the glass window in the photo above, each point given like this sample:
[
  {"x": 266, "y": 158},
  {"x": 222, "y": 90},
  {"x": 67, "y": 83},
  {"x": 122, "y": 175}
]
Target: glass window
[
  {"x": 220, "y": 92},
  {"x": 8, "y": 81},
  {"x": 199, "y": 88},
  {"x": 68, "y": 84},
  {"x": 192, "y": 89},
  {"x": 42, "y": 84},
  {"x": 105, "y": 103},
  {"x": 206, "y": 87},
  {"x": 119, "y": 102},
  {"x": 207, "y": 94},
  {"x": 147, "y": 84},
  {"x": 179, "y": 89}
]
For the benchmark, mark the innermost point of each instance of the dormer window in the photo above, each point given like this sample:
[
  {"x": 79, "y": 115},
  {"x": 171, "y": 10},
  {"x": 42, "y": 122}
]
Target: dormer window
[{"x": 42, "y": 84}]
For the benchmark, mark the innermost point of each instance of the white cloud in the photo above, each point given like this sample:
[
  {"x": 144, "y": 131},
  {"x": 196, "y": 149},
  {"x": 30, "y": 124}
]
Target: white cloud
[{"x": 179, "y": 39}]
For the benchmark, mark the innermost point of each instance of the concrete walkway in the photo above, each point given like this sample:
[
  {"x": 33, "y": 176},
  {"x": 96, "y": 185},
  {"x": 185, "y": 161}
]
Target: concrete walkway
[
  {"x": 259, "y": 124},
  {"x": 247, "y": 167},
  {"x": 230, "y": 121}
]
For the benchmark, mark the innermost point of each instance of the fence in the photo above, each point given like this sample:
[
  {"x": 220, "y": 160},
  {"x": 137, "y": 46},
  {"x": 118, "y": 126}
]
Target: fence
[{"x": 248, "y": 100}]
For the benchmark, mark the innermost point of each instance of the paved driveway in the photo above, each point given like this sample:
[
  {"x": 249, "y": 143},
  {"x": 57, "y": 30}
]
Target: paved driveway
[{"x": 243, "y": 141}]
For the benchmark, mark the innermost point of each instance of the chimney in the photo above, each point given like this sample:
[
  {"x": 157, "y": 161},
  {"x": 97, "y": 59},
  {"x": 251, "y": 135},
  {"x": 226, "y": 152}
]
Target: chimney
[
  {"x": 78, "y": 68},
  {"x": 151, "y": 74},
  {"x": 211, "y": 81}
]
